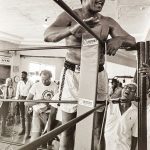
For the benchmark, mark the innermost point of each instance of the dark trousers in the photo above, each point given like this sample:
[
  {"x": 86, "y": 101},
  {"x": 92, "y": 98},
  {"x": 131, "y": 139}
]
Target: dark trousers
[
  {"x": 98, "y": 121},
  {"x": 4, "y": 113},
  {"x": 28, "y": 121},
  {"x": 22, "y": 111},
  {"x": 17, "y": 112}
]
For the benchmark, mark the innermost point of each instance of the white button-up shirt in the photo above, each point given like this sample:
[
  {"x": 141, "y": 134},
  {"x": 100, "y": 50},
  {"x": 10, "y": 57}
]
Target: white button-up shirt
[
  {"x": 120, "y": 128},
  {"x": 23, "y": 88}
]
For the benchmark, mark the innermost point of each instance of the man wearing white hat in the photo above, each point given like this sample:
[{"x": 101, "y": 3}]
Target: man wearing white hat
[{"x": 121, "y": 129}]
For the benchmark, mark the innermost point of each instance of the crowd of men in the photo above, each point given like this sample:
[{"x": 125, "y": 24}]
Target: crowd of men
[
  {"x": 121, "y": 124},
  {"x": 33, "y": 116}
]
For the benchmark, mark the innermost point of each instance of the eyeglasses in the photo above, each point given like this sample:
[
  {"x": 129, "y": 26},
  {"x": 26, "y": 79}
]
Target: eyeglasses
[{"x": 131, "y": 89}]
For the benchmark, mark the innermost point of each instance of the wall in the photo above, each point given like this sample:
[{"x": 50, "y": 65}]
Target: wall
[
  {"x": 122, "y": 57},
  {"x": 58, "y": 62},
  {"x": 14, "y": 57},
  {"x": 119, "y": 70}
]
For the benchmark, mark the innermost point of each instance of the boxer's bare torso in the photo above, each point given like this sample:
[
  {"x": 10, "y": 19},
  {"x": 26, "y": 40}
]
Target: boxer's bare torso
[{"x": 60, "y": 29}]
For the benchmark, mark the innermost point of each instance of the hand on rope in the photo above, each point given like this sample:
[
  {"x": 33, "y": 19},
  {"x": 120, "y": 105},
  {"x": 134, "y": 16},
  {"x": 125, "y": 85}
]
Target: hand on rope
[
  {"x": 145, "y": 69},
  {"x": 77, "y": 29},
  {"x": 113, "y": 45}
]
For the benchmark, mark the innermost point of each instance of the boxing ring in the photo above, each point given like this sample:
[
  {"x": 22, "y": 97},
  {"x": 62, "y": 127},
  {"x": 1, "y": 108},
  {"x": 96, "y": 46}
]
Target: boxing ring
[{"x": 142, "y": 48}]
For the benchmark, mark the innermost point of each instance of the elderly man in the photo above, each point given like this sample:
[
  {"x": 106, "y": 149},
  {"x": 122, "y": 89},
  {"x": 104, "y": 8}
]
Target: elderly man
[
  {"x": 8, "y": 93},
  {"x": 67, "y": 28},
  {"x": 44, "y": 89},
  {"x": 121, "y": 128}
]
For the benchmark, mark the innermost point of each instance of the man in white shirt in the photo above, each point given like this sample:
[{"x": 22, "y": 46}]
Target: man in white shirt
[
  {"x": 45, "y": 89},
  {"x": 22, "y": 91},
  {"x": 121, "y": 129}
]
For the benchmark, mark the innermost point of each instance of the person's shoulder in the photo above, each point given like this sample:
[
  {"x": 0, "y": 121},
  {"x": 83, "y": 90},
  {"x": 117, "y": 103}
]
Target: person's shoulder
[
  {"x": 108, "y": 19},
  {"x": 53, "y": 83},
  {"x": 65, "y": 14},
  {"x": 37, "y": 84},
  {"x": 29, "y": 81},
  {"x": 134, "y": 107},
  {"x": 114, "y": 108},
  {"x": 20, "y": 81},
  {"x": 78, "y": 11},
  {"x": 133, "y": 111}
]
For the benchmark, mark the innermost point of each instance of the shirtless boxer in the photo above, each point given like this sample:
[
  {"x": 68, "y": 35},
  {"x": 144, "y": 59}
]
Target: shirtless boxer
[{"x": 66, "y": 28}]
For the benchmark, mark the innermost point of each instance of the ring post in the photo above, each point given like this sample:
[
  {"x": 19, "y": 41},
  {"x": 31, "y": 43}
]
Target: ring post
[
  {"x": 147, "y": 52},
  {"x": 142, "y": 109},
  {"x": 87, "y": 89}
]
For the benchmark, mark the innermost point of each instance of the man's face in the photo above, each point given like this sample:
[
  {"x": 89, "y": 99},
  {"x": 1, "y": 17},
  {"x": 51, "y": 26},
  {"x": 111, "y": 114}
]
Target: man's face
[
  {"x": 45, "y": 79},
  {"x": 129, "y": 92},
  {"x": 23, "y": 76},
  {"x": 114, "y": 85},
  {"x": 93, "y": 5}
]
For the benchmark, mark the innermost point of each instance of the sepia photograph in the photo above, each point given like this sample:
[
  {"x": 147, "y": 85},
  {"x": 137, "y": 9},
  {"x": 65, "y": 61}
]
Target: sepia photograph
[{"x": 74, "y": 75}]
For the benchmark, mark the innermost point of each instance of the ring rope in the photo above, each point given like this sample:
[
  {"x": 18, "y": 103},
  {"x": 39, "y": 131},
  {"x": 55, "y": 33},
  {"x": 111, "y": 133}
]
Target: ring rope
[
  {"x": 55, "y": 47},
  {"x": 41, "y": 48},
  {"x": 114, "y": 101},
  {"x": 50, "y": 135},
  {"x": 11, "y": 143},
  {"x": 40, "y": 101}
]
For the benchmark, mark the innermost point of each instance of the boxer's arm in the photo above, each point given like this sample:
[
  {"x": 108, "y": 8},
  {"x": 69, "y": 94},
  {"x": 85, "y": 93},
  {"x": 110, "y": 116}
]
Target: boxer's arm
[
  {"x": 59, "y": 29},
  {"x": 119, "y": 38},
  {"x": 116, "y": 31}
]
